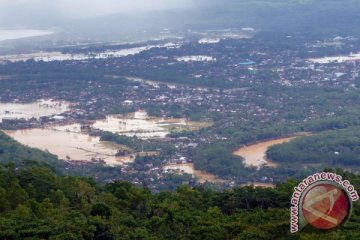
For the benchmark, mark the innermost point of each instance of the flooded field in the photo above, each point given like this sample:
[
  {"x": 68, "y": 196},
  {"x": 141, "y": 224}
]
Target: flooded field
[
  {"x": 6, "y": 34},
  {"x": 351, "y": 57},
  {"x": 157, "y": 83},
  {"x": 260, "y": 185},
  {"x": 68, "y": 144},
  {"x": 59, "y": 56},
  {"x": 190, "y": 169},
  {"x": 255, "y": 155},
  {"x": 141, "y": 125},
  {"x": 36, "y": 109},
  {"x": 196, "y": 58},
  {"x": 151, "y": 82}
]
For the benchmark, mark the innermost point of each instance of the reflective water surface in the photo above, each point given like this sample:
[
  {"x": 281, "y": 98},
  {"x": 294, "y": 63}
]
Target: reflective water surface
[
  {"x": 68, "y": 145},
  {"x": 36, "y": 109},
  {"x": 255, "y": 154},
  {"x": 141, "y": 125},
  {"x": 189, "y": 168}
]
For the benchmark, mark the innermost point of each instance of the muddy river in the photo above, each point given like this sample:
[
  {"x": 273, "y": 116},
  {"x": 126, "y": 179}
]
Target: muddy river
[
  {"x": 69, "y": 143},
  {"x": 190, "y": 169},
  {"x": 255, "y": 154}
]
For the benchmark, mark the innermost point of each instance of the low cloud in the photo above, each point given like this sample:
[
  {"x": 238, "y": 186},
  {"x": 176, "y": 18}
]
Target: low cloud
[{"x": 17, "y": 12}]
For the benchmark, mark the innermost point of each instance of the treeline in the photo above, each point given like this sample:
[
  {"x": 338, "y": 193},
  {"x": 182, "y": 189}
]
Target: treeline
[
  {"x": 35, "y": 203},
  {"x": 217, "y": 159},
  {"x": 332, "y": 123},
  {"x": 12, "y": 151},
  {"x": 331, "y": 134},
  {"x": 138, "y": 144},
  {"x": 331, "y": 148}
]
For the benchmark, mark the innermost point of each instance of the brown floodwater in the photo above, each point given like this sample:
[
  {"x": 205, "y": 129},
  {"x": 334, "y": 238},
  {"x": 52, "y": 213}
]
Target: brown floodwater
[
  {"x": 260, "y": 185},
  {"x": 143, "y": 126},
  {"x": 189, "y": 168},
  {"x": 255, "y": 154},
  {"x": 36, "y": 109},
  {"x": 68, "y": 144}
]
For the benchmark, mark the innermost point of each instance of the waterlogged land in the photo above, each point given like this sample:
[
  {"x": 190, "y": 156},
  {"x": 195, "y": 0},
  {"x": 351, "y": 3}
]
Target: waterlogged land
[
  {"x": 69, "y": 142},
  {"x": 141, "y": 125},
  {"x": 259, "y": 185},
  {"x": 189, "y": 168},
  {"x": 251, "y": 87},
  {"x": 59, "y": 56},
  {"x": 69, "y": 145},
  {"x": 6, "y": 34},
  {"x": 255, "y": 154},
  {"x": 157, "y": 84},
  {"x": 36, "y": 109},
  {"x": 340, "y": 59}
]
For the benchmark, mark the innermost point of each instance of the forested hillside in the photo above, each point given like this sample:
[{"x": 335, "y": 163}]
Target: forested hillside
[
  {"x": 37, "y": 204},
  {"x": 336, "y": 147},
  {"x": 12, "y": 151}
]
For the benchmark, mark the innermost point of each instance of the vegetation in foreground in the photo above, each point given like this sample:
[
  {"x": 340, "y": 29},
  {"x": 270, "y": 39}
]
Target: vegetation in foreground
[{"x": 35, "y": 203}]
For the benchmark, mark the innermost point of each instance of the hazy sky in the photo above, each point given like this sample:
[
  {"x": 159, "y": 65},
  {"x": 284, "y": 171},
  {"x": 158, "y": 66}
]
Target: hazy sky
[
  {"x": 48, "y": 10},
  {"x": 90, "y": 7}
]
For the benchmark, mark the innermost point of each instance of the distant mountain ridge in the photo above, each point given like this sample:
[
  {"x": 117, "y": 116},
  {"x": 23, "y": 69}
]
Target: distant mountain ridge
[
  {"x": 283, "y": 15},
  {"x": 306, "y": 16},
  {"x": 322, "y": 17}
]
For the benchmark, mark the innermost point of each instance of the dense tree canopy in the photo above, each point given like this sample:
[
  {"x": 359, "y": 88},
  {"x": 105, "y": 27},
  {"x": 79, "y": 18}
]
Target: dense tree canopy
[
  {"x": 35, "y": 203},
  {"x": 337, "y": 148}
]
